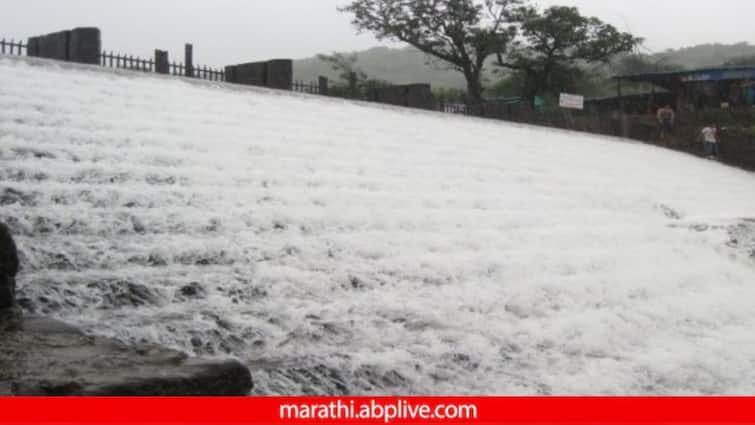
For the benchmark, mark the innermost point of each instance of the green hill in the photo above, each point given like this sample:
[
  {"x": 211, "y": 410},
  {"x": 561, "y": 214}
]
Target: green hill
[
  {"x": 409, "y": 65},
  {"x": 399, "y": 66},
  {"x": 707, "y": 55}
]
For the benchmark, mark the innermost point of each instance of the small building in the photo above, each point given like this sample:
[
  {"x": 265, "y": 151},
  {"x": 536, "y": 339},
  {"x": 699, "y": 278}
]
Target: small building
[{"x": 691, "y": 90}]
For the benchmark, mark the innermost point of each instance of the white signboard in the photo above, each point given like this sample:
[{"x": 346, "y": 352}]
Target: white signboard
[{"x": 572, "y": 101}]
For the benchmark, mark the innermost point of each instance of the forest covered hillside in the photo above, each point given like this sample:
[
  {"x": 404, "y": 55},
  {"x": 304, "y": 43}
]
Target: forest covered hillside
[{"x": 409, "y": 65}]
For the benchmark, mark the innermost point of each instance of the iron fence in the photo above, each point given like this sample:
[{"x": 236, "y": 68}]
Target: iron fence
[
  {"x": 119, "y": 61},
  {"x": 305, "y": 87},
  {"x": 134, "y": 63},
  {"x": 12, "y": 47}
]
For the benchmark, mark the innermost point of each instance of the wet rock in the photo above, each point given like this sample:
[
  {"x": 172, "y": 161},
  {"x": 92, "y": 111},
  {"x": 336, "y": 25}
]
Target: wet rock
[
  {"x": 7, "y": 292},
  {"x": 158, "y": 180},
  {"x": 121, "y": 293},
  {"x": 370, "y": 378},
  {"x": 27, "y": 304},
  {"x": 156, "y": 260},
  {"x": 219, "y": 321},
  {"x": 34, "y": 153},
  {"x": 700, "y": 227},
  {"x": 192, "y": 290},
  {"x": 8, "y": 268},
  {"x": 45, "y": 357},
  {"x": 11, "y": 196},
  {"x": 220, "y": 258},
  {"x": 134, "y": 294},
  {"x": 60, "y": 262},
  {"x": 8, "y": 252},
  {"x": 313, "y": 380},
  {"x": 462, "y": 360},
  {"x": 670, "y": 212},
  {"x": 356, "y": 283},
  {"x": 138, "y": 225}
]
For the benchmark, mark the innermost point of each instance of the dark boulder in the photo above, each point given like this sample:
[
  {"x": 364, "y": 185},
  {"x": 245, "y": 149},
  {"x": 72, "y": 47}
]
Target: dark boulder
[
  {"x": 49, "y": 358},
  {"x": 192, "y": 290},
  {"x": 7, "y": 292},
  {"x": 124, "y": 293},
  {"x": 8, "y": 268}
]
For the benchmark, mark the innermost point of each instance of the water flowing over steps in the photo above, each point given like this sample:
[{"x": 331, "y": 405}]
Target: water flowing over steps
[{"x": 336, "y": 247}]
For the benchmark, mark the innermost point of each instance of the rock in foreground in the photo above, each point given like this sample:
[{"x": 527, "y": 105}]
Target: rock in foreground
[{"x": 44, "y": 357}]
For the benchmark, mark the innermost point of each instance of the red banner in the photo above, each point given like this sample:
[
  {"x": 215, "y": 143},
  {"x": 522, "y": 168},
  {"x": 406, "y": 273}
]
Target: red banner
[{"x": 383, "y": 410}]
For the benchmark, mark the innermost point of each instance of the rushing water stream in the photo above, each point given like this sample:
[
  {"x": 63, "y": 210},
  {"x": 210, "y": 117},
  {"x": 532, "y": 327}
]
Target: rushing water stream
[{"x": 341, "y": 248}]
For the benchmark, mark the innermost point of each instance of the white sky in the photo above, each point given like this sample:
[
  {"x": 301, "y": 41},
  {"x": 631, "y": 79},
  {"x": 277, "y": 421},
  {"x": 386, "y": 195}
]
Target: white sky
[{"x": 231, "y": 31}]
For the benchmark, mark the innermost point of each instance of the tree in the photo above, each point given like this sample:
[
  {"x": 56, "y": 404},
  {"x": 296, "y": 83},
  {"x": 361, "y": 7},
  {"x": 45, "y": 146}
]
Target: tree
[
  {"x": 462, "y": 33},
  {"x": 741, "y": 61},
  {"x": 349, "y": 74},
  {"x": 577, "y": 79},
  {"x": 643, "y": 64},
  {"x": 353, "y": 81},
  {"x": 556, "y": 42}
]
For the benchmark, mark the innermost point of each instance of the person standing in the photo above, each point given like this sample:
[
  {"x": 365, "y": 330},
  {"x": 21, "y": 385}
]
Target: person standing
[
  {"x": 710, "y": 140},
  {"x": 666, "y": 117}
]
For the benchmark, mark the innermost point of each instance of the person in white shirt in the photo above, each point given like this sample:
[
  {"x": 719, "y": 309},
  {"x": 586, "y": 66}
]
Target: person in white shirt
[
  {"x": 666, "y": 117},
  {"x": 710, "y": 140}
]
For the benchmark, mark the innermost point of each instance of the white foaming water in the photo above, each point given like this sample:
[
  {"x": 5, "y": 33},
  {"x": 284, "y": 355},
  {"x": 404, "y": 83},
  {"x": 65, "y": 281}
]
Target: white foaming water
[{"x": 339, "y": 247}]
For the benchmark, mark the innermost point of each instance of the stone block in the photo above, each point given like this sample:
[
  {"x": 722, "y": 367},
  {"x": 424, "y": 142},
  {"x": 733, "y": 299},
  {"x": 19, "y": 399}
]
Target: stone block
[
  {"x": 162, "y": 63},
  {"x": 230, "y": 74},
  {"x": 394, "y": 95},
  {"x": 280, "y": 74},
  {"x": 419, "y": 96},
  {"x": 32, "y": 47},
  {"x": 55, "y": 45},
  {"x": 322, "y": 83},
  {"x": 252, "y": 74},
  {"x": 85, "y": 45}
]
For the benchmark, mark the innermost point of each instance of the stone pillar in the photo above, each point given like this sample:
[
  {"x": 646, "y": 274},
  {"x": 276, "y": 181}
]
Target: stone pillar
[
  {"x": 85, "y": 45},
  {"x": 230, "y": 74},
  {"x": 393, "y": 95},
  {"x": 280, "y": 74},
  {"x": 419, "y": 96},
  {"x": 54, "y": 46},
  {"x": 189, "y": 60},
  {"x": 162, "y": 63},
  {"x": 8, "y": 268},
  {"x": 251, "y": 74},
  {"x": 32, "y": 47},
  {"x": 322, "y": 83}
]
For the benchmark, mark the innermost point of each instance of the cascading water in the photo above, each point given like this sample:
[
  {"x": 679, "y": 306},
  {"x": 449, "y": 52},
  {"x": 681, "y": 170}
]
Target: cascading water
[{"x": 346, "y": 248}]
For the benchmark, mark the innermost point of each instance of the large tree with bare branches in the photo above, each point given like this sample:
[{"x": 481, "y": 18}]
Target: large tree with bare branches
[{"x": 463, "y": 33}]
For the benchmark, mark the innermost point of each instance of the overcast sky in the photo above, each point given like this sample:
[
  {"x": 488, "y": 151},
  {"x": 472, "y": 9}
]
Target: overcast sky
[{"x": 231, "y": 31}]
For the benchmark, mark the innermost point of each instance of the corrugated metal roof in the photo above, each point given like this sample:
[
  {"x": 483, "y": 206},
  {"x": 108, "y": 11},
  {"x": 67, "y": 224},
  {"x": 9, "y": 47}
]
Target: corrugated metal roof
[{"x": 704, "y": 74}]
